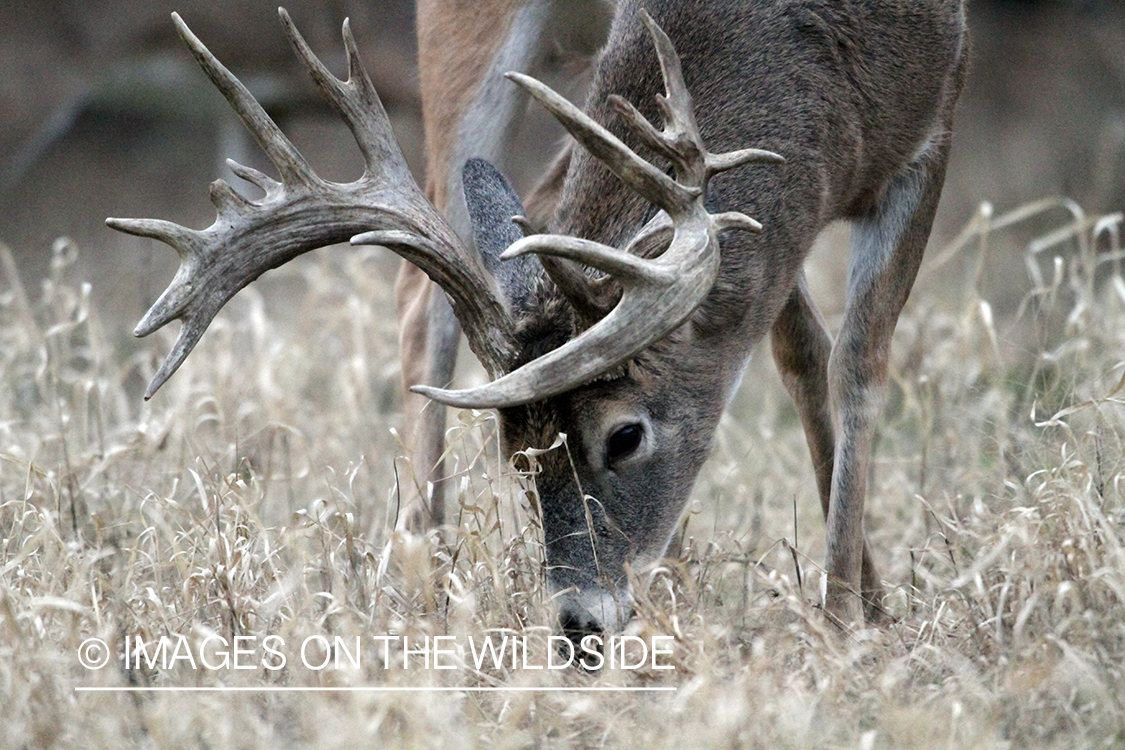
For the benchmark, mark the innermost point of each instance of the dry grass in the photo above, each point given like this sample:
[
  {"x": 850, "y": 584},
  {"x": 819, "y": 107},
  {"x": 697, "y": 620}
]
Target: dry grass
[{"x": 255, "y": 494}]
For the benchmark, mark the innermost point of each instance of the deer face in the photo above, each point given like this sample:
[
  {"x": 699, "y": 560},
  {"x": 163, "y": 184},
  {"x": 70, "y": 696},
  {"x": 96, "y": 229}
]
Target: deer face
[{"x": 611, "y": 495}]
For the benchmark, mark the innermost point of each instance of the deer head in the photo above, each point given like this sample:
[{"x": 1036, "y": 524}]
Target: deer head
[{"x": 581, "y": 338}]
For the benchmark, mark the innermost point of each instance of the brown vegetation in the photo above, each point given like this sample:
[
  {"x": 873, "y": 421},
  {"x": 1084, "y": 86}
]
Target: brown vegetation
[{"x": 255, "y": 497}]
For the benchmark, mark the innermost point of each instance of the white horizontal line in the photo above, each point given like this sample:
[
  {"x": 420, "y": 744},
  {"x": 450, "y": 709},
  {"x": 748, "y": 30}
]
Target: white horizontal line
[{"x": 373, "y": 689}]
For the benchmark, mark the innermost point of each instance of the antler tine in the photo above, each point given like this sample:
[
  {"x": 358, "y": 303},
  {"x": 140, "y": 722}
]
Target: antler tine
[
  {"x": 675, "y": 105},
  {"x": 195, "y": 323},
  {"x": 268, "y": 184},
  {"x": 653, "y": 238},
  {"x": 591, "y": 299},
  {"x": 281, "y": 152},
  {"x": 355, "y": 100},
  {"x": 303, "y": 212},
  {"x": 657, "y": 294},
  {"x": 681, "y": 141},
  {"x": 639, "y": 174},
  {"x": 177, "y": 297},
  {"x": 625, "y": 267}
]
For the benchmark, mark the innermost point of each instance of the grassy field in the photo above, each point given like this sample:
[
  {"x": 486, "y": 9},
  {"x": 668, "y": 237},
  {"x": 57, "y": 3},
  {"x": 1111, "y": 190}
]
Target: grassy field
[{"x": 254, "y": 496}]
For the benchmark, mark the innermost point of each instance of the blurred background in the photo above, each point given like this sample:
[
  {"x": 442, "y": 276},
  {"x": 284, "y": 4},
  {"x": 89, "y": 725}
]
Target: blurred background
[{"x": 103, "y": 113}]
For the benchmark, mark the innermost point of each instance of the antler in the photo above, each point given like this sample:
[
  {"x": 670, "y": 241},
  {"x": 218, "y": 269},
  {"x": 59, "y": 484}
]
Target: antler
[
  {"x": 303, "y": 212},
  {"x": 657, "y": 294}
]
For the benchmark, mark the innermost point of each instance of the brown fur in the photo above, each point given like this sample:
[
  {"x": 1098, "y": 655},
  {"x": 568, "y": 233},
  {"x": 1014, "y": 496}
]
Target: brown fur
[{"x": 457, "y": 40}]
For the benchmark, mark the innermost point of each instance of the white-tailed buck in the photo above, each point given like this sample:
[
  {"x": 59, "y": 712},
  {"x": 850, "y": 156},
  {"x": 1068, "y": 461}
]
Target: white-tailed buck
[{"x": 628, "y": 326}]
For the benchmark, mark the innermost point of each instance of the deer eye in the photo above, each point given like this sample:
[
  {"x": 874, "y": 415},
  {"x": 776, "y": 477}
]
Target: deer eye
[{"x": 623, "y": 442}]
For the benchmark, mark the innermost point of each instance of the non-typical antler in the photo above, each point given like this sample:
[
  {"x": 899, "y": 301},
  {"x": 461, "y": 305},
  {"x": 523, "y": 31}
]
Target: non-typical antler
[
  {"x": 303, "y": 212},
  {"x": 657, "y": 294}
]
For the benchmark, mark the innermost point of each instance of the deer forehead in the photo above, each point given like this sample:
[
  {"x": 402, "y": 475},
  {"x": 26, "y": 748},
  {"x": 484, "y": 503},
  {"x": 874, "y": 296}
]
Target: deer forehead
[{"x": 581, "y": 414}]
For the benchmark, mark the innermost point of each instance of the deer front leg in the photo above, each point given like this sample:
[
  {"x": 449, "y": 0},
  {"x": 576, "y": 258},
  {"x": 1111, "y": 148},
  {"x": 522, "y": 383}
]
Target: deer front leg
[
  {"x": 887, "y": 246},
  {"x": 469, "y": 110},
  {"x": 801, "y": 350},
  {"x": 428, "y": 338}
]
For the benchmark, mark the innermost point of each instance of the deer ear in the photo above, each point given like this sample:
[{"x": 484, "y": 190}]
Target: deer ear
[{"x": 492, "y": 203}]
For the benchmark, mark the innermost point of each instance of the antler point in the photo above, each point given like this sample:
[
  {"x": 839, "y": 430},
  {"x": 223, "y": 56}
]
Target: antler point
[{"x": 515, "y": 251}]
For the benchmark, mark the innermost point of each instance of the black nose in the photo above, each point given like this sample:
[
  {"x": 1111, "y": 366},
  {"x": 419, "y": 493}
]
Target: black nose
[{"x": 576, "y": 623}]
